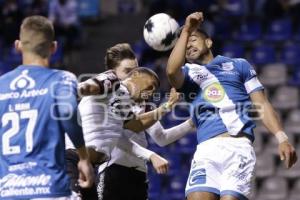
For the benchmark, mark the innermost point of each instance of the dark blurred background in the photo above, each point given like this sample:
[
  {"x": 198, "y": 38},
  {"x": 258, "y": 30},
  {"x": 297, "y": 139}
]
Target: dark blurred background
[{"x": 266, "y": 32}]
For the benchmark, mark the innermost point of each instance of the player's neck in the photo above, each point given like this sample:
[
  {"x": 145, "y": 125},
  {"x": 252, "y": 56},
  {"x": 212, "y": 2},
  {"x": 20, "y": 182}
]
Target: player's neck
[
  {"x": 207, "y": 58},
  {"x": 30, "y": 59}
]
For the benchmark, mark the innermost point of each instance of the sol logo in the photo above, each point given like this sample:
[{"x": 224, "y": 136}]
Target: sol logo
[{"x": 214, "y": 93}]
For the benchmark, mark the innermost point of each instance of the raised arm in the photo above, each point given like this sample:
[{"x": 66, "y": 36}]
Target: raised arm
[
  {"x": 177, "y": 57},
  {"x": 163, "y": 137},
  {"x": 145, "y": 120},
  {"x": 270, "y": 119},
  {"x": 103, "y": 83}
]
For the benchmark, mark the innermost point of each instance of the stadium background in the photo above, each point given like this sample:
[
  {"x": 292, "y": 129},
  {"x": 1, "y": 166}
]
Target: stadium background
[{"x": 266, "y": 32}]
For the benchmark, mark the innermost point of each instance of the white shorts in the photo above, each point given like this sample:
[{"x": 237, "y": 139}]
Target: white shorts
[{"x": 224, "y": 166}]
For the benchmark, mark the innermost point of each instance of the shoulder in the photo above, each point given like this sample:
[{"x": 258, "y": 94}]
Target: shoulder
[
  {"x": 244, "y": 67},
  {"x": 65, "y": 77},
  {"x": 7, "y": 75},
  {"x": 190, "y": 66},
  {"x": 240, "y": 61},
  {"x": 65, "y": 74}
]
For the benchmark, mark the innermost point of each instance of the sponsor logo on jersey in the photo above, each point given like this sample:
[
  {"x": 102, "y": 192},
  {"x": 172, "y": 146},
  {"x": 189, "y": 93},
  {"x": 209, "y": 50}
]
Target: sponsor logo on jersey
[
  {"x": 23, "y": 94},
  {"x": 28, "y": 165},
  {"x": 22, "y": 82},
  {"x": 198, "y": 74},
  {"x": 15, "y": 180},
  {"x": 200, "y": 77},
  {"x": 228, "y": 66},
  {"x": 214, "y": 93},
  {"x": 252, "y": 72},
  {"x": 25, "y": 84},
  {"x": 20, "y": 185}
]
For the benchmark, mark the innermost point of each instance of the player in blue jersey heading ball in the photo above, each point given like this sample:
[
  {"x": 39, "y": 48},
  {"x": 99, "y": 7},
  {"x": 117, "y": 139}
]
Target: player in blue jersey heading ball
[
  {"x": 38, "y": 106},
  {"x": 221, "y": 90}
]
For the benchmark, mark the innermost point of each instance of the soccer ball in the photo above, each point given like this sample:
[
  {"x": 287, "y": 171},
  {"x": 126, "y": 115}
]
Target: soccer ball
[{"x": 160, "y": 32}]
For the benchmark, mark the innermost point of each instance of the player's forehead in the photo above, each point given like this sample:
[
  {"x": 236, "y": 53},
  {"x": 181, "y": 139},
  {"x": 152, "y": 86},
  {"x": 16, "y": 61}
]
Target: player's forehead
[
  {"x": 196, "y": 35},
  {"x": 128, "y": 63},
  {"x": 148, "y": 79}
]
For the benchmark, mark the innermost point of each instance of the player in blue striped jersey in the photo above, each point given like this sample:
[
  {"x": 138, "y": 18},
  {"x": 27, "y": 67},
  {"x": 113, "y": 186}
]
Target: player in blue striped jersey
[
  {"x": 38, "y": 106},
  {"x": 222, "y": 91}
]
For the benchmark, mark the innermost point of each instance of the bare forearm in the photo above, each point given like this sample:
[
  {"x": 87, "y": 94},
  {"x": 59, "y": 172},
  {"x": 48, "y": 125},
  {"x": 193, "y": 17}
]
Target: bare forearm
[
  {"x": 82, "y": 153},
  {"x": 270, "y": 119},
  {"x": 177, "y": 57},
  {"x": 176, "y": 60},
  {"x": 144, "y": 121},
  {"x": 268, "y": 115},
  {"x": 149, "y": 118}
]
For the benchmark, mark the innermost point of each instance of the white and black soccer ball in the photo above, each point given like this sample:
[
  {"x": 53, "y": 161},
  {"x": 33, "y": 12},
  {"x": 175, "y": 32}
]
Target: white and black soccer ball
[{"x": 161, "y": 32}]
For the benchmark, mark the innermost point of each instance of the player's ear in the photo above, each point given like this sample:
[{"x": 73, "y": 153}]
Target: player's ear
[
  {"x": 18, "y": 46},
  {"x": 53, "y": 47},
  {"x": 208, "y": 42}
]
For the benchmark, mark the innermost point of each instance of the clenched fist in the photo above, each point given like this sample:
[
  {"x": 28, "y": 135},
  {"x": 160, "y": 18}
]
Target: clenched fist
[
  {"x": 193, "y": 21},
  {"x": 103, "y": 83},
  {"x": 160, "y": 164}
]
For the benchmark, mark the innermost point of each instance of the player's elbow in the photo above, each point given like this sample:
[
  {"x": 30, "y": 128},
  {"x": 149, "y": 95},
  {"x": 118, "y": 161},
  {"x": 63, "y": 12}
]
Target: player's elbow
[
  {"x": 171, "y": 71},
  {"x": 136, "y": 129},
  {"x": 160, "y": 140},
  {"x": 134, "y": 125},
  {"x": 175, "y": 77}
]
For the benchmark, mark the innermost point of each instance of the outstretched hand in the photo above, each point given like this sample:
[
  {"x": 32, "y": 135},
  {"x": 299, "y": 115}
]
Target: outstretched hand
[
  {"x": 173, "y": 98},
  {"x": 287, "y": 154}
]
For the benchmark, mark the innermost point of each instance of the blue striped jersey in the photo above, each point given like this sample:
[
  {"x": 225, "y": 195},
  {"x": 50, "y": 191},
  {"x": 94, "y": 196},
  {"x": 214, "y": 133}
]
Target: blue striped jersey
[{"x": 219, "y": 93}]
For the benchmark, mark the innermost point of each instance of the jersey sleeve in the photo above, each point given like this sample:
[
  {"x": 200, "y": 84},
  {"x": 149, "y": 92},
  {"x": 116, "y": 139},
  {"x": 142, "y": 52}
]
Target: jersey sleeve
[
  {"x": 66, "y": 104},
  {"x": 189, "y": 87},
  {"x": 249, "y": 77}
]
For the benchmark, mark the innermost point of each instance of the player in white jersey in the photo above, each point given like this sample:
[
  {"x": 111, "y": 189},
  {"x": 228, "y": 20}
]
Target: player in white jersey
[
  {"x": 123, "y": 59},
  {"x": 105, "y": 118},
  {"x": 222, "y": 90},
  {"x": 129, "y": 156}
]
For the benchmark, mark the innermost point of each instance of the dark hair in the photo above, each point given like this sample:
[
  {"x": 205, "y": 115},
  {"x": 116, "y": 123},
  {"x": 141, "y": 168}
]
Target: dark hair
[
  {"x": 202, "y": 32},
  {"x": 37, "y": 35},
  {"x": 199, "y": 30},
  {"x": 115, "y": 54},
  {"x": 144, "y": 70}
]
